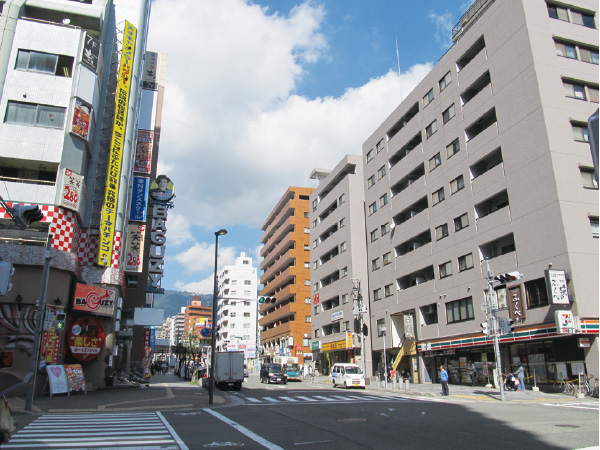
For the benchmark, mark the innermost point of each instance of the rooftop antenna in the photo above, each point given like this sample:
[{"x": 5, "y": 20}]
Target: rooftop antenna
[{"x": 398, "y": 59}]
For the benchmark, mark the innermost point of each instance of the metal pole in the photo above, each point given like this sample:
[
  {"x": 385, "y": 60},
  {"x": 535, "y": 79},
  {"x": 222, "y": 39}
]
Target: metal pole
[
  {"x": 213, "y": 341},
  {"x": 39, "y": 315},
  {"x": 385, "y": 360},
  {"x": 494, "y": 328}
]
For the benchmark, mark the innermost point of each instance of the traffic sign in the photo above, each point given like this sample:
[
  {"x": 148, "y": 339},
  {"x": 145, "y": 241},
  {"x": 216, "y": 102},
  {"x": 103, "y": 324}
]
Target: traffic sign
[{"x": 205, "y": 332}]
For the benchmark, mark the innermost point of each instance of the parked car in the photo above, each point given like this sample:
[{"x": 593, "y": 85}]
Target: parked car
[
  {"x": 272, "y": 373},
  {"x": 347, "y": 375},
  {"x": 245, "y": 371}
]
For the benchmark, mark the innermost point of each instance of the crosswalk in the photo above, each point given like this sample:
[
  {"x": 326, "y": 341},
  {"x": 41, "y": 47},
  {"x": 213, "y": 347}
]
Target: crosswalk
[
  {"x": 593, "y": 406},
  {"x": 97, "y": 431},
  {"x": 297, "y": 399}
]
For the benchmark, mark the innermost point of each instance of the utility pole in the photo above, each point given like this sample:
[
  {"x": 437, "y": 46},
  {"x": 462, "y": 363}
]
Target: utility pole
[
  {"x": 492, "y": 308},
  {"x": 359, "y": 310}
]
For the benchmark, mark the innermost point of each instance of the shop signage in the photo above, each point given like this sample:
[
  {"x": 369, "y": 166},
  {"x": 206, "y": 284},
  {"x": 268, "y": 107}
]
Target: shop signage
[
  {"x": 72, "y": 186},
  {"x": 349, "y": 343},
  {"x": 315, "y": 299},
  {"x": 95, "y": 299},
  {"x": 113, "y": 173},
  {"x": 330, "y": 346},
  {"x": 157, "y": 247},
  {"x": 556, "y": 283},
  {"x": 134, "y": 251},
  {"x": 583, "y": 342},
  {"x": 86, "y": 338},
  {"x": 57, "y": 380},
  {"x": 565, "y": 324},
  {"x": 91, "y": 51},
  {"x": 162, "y": 189},
  {"x": 50, "y": 347},
  {"x": 409, "y": 330},
  {"x": 151, "y": 69},
  {"x": 338, "y": 315},
  {"x": 515, "y": 304},
  {"x": 139, "y": 194},
  {"x": 75, "y": 377},
  {"x": 143, "y": 151},
  {"x": 316, "y": 345},
  {"x": 82, "y": 119}
]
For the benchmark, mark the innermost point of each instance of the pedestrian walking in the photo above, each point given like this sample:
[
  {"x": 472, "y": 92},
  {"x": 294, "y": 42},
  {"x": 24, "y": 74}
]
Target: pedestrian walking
[
  {"x": 444, "y": 379},
  {"x": 473, "y": 373},
  {"x": 521, "y": 374}
]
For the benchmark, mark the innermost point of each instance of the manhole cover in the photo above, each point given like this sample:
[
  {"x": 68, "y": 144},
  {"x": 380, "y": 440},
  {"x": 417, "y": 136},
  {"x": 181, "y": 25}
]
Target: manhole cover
[
  {"x": 564, "y": 425},
  {"x": 352, "y": 419}
]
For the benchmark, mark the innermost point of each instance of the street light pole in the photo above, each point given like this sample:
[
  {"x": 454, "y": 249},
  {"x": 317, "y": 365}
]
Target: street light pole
[
  {"x": 494, "y": 326},
  {"x": 213, "y": 341}
]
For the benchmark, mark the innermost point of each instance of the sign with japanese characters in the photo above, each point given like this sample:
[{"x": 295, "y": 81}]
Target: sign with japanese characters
[
  {"x": 57, "y": 380},
  {"x": 86, "y": 338},
  {"x": 113, "y": 173},
  {"x": 134, "y": 252},
  {"x": 565, "y": 324},
  {"x": 71, "y": 193},
  {"x": 91, "y": 51},
  {"x": 139, "y": 196},
  {"x": 158, "y": 239},
  {"x": 82, "y": 119},
  {"x": 150, "y": 76},
  {"x": 143, "y": 151},
  {"x": 95, "y": 299},
  {"x": 515, "y": 304},
  {"x": 75, "y": 377},
  {"x": 50, "y": 347},
  {"x": 556, "y": 282}
]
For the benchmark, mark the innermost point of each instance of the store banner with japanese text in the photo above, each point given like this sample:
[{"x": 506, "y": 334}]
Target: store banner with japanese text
[
  {"x": 134, "y": 252},
  {"x": 143, "y": 151},
  {"x": 86, "y": 338},
  {"x": 109, "y": 208},
  {"x": 139, "y": 197},
  {"x": 72, "y": 190}
]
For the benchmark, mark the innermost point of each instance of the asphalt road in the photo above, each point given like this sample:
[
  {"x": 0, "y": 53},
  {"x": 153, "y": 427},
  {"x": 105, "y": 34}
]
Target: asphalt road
[{"x": 315, "y": 416}]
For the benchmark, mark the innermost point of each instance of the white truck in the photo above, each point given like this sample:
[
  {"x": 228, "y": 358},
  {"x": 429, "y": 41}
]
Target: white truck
[{"x": 229, "y": 370}]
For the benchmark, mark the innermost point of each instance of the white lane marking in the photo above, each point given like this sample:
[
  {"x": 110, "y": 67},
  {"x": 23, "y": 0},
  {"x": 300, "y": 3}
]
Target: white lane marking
[
  {"x": 588, "y": 406},
  {"x": 172, "y": 431},
  {"x": 320, "y": 397},
  {"x": 245, "y": 431},
  {"x": 271, "y": 399},
  {"x": 255, "y": 400},
  {"x": 307, "y": 399},
  {"x": 289, "y": 399}
]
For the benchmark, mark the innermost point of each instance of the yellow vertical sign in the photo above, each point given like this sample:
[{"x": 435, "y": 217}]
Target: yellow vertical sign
[{"x": 109, "y": 208}]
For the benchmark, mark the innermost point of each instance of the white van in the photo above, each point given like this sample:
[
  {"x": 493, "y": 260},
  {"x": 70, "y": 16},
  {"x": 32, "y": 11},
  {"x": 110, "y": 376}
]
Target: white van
[{"x": 347, "y": 375}]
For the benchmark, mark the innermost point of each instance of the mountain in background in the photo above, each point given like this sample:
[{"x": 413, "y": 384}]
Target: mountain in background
[{"x": 173, "y": 301}]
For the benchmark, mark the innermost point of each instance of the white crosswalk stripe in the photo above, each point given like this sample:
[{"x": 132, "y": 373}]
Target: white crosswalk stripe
[
  {"x": 320, "y": 399},
  {"x": 84, "y": 431},
  {"x": 583, "y": 405}
]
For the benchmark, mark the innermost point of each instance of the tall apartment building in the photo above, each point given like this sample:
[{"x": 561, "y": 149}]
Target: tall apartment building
[
  {"x": 285, "y": 323},
  {"x": 238, "y": 306},
  {"x": 67, "y": 144},
  {"x": 339, "y": 266},
  {"x": 196, "y": 317},
  {"x": 488, "y": 161}
]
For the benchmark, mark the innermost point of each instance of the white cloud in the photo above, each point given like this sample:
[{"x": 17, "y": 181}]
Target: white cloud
[
  {"x": 178, "y": 229},
  {"x": 201, "y": 257},
  {"x": 197, "y": 287},
  {"x": 443, "y": 27}
]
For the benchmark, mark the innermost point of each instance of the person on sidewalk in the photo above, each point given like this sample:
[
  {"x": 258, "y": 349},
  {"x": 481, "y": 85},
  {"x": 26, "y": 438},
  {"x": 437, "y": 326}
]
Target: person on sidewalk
[
  {"x": 521, "y": 374},
  {"x": 473, "y": 373},
  {"x": 444, "y": 379}
]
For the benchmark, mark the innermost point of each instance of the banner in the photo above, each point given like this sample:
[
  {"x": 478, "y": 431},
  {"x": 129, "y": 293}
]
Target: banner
[
  {"x": 150, "y": 77},
  {"x": 95, "y": 299},
  {"x": 50, "y": 347},
  {"x": 75, "y": 377},
  {"x": 143, "y": 151},
  {"x": 109, "y": 208},
  {"x": 86, "y": 338},
  {"x": 57, "y": 380},
  {"x": 82, "y": 119},
  {"x": 72, "y": 187},
  {"x": 91, "y": 52},
  {"x": 134, "y": 252}
]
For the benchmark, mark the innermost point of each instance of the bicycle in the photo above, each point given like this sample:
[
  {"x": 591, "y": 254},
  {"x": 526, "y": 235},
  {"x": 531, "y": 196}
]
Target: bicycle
[{"x": 559, "y": 386}]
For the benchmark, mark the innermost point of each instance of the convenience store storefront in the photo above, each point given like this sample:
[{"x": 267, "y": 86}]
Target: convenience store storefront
[
  {"x": 544, "y": 353},
  {"x": 326, "y": 354}
]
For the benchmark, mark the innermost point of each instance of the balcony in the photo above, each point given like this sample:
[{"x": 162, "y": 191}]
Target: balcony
[
  {"x": 481, "y": 96},
  {"x": 283, "y": 260},
  {"x": 282, "y": 330},
  {"x": 284, "y": 211},
  {"x": 39, "y": 192},
  {"x": 471, "y": 63},
  {"x": 280, "y": 312},
  {"x": 488, "y": 178},
  {"x": 482, "y": 132},
  {"x": 281, "y": 247},
  {"x": 280, "y": 279},
  {"x": 280, "y": 234}
]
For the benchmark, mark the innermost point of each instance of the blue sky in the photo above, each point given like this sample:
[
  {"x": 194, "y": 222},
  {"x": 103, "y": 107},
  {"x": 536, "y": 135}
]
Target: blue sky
[{"x": 260, "y": 93}]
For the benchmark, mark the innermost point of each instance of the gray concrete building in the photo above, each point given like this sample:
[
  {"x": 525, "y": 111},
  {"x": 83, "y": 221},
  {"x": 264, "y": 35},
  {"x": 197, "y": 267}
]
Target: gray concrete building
[
  {"x": 488, "y": 161},
  {"x": 338, "y": 257}
]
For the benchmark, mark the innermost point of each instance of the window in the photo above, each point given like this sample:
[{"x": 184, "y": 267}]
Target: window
[
  {"x": 314, "y": 224},
  {"x": 372, "y": 208},
  {"x": 448, "y": 114},
  {"x": 374, "y": 235},
  {"x": 429, "y": 313},
  {"x": 307, "y": 265},
  {"x": 377, "y": 294},
  {"x": 315, "y": 243},
  {"x": 317, "y": 309},
  {"x": 343, "y": 247},
  {"x": 566, "y": 50},
  {"x": 306, "y": 215},
  {"x": 435, "y": 162},
  {"x": 593, "y": 94},
  {"x": 344, "y": 299},
  {"x": 307, "y": 230},
  {"x": 383, "y": 200},
  {"x": 342, "y": 199},
  {"x": 557, "y": 12},
  {"x": 580, "y": 132},
  {"x": 580, "y": 18},
  {"x": 385, "y": 228},
  {"x": 465, "y": 262},
  {"x": 441, "y": 232},
  {"x": 247, "y": 282},
  {"x": 371, "y": 181},
  {"x": 381, "y": 172},
  {"x": 457, "y": 184},
  {"x": 306, "y": 247},
  {"x": 380, "y": 145},
  {"x": 315, "y": 264},
  {"x": 388, "y": 290},
  {"x": 428, "y": 98},
  {"x": 380, "y": 327},
  {"x": 306, "y": 282},
  {"x": 307, "y": 300},
  {"x": 569, "y": 50},
  {"x": 346, "y": 325},
  {"x": 588, "y": 55},
  {"x": 314, "y": 205},
  {"x": 445, "y": 81},
  {"x": 431, "y": 129},
  {"x": 535, "y": 291},
  {"x": 387, "y": 258},
  {"x": 317, "y": 333},
  {"x": 369, "y": 156},
  {"x": 58, "y": 65},
  {"x": 343, "y": 272},
  {"x": 316, "y": 286},
  {"x": 307, "y": 319},
  {"x": 445, "y": 269},
  {"x": 594, "y": 226},
  {"x": 460, "y": 310},
  {"x": 588, "y": 177},
  {"x": 438, "y": 196},
  {"x": 342, "y": 222},
  {"x": 375, "y": 264},
  {"x": 452, "y": 148},
  {"x": 574, "y": 90},
  {"x": 461, "y": 222},
  {"x": 35, "y": 115}
]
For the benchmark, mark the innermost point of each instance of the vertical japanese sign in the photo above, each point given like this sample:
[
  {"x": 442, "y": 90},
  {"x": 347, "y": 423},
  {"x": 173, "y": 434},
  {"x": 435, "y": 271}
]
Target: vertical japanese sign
[
  {"x": 143, "y": 151},
  {"x": 91, "y": 52},
  {"x": 50, "y": 347},
  {"x": 109, "y": 208},
  {"x": 72, "y": 187},
  {"x": 82, "y": 119},
  {"x": 556, "y": 283},
  {"x": 139, "y": 195},
  {"x": 150, "y": 77},
  {"x": 135, "y": 247},
  {"x": 515, "y": 304}
]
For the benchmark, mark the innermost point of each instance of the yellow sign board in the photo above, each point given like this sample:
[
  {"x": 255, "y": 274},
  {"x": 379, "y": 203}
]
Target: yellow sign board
[
  {"x": 109, "y": 208},
  {"x": 330, "y": 346}
]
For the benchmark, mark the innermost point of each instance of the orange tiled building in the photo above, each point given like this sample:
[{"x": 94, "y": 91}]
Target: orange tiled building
[
  {"x": 196, "y": 317},
  {"x": 285, "y": 324}
]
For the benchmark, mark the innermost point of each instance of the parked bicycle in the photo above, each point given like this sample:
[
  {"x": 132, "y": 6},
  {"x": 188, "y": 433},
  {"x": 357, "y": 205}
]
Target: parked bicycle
[{"x": 565, "y": 386}]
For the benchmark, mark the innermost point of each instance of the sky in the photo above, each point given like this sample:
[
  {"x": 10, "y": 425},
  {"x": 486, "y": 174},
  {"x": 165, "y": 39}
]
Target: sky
[{"x": 260, "y": 93}]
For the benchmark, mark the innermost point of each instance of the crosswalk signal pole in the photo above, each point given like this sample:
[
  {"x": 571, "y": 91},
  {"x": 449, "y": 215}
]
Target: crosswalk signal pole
[{"x": 494, "y": 326}]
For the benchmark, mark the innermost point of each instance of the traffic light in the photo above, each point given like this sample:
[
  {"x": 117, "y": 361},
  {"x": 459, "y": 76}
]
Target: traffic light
[
  {"x": 508, "y": 277},
  {"x": 60, "y": 321},
  {"x": 510, "y": 326},
  {"x": 267, "y": 300},
  {"x": 28, "y": 214},
  {"x": 485, "y": 328},
  {"x": 365, "y": 330},
  {"x": 6, "y": 271}
]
